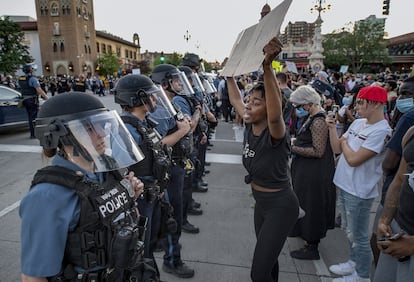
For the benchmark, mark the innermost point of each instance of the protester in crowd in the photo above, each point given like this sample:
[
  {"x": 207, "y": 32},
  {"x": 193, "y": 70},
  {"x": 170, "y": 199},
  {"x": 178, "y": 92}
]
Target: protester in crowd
[
  {"x": 396, "y": 238},
  {"x": 266, "y": 144},
  {"x": 394, "y": 150},
  {"x": 312, "y": 172},
  {"x": 361, "y": 148},
  {"x": 391, "y": 87},
  {"x": 286, "y": 91}
]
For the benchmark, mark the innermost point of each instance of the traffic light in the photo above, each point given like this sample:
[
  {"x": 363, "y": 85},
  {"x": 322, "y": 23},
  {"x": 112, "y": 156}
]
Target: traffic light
[
  {"x": 162, "y": 58},
  {"x": 386, "y": 7}
]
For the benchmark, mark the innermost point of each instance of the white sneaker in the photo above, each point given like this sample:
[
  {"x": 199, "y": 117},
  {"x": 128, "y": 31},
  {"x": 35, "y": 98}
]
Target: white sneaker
[
  {"x": 351, "y": 278},
  {"x": 342, "y": 269}
]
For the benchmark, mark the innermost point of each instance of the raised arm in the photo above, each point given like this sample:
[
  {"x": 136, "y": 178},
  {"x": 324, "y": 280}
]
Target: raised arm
[{"x": 274, "y": 109}]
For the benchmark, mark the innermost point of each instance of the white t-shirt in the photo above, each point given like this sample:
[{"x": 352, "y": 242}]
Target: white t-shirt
[{"x": 361, "y": 181}]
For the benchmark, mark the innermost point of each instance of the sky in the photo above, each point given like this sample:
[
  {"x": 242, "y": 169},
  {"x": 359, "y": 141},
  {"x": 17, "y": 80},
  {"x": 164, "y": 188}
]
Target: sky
[{"x": 213, "y": 25}]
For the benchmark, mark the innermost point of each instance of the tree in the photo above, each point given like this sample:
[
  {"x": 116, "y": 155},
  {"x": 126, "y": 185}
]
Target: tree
[
  {"x": 13, "y": 52},
  {"x": 108, "y": 64},
  {"x": 359, "y": 45}
]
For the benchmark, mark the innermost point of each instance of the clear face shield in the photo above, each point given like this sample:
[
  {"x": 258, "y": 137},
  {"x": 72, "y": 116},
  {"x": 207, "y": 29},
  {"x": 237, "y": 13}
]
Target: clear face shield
[
  {"x": 180, "y": 84},
  {"x": 105, "y": 141},
  {"x": 163, "y": 108},
  {"x": 210, "y": 88},
  {"x": 196, "y": 82}
]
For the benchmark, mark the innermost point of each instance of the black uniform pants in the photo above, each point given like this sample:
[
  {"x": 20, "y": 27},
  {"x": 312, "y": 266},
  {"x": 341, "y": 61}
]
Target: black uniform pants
[
  {"x": 172, "y": 253},
  {"x": 31, "y": 106}
]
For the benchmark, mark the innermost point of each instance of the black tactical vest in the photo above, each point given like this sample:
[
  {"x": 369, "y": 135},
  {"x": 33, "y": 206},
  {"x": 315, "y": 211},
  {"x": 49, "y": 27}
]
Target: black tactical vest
[
  {"x": 79, "y": 86},
  {"x": 157, "y": 161},
  {"x": 26, "y": 90},
  {"x": 109, "y": 233}
]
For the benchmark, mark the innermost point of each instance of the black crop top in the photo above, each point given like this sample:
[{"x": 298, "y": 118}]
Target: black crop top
[{"x": 266, "y": 163}]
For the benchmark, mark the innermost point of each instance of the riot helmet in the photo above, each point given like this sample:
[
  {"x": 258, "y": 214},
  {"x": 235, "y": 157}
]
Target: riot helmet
[
  {"x": 80, "y": 125},
  {"x": 27, "y": 68},
  {"x": 134, "y": 90},
  {"x": 172, "y": 79},
  {"x": 191, "y": 60}
]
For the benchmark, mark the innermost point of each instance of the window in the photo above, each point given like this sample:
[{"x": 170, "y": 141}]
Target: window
[
  {"x": 54, "y": 9},
  {"x": 126, "y": 53},
  {"x": 118, "y": 51},
  {"x": 89, "y": 49},
  {"x": 103, "y": 48},
  {"x": 110, "y": 49},
  {"x": 86, "y": 49},
  {"x": 97, "y": 47},
  {"x": 62, "y": 47},
  {"x": 55, "y": 47},
  {"x": 56, "y": 28}
]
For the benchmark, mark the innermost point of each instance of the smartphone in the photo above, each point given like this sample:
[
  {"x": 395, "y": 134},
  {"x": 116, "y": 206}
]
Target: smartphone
[
  {"x": 393, "y": 237},
  {"x": 335, "y": 109}
]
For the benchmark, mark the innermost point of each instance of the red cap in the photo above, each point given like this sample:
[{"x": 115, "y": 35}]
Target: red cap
[{"x": 373, "y": 93}]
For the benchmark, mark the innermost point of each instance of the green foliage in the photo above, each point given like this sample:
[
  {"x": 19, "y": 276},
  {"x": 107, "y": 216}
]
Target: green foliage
[
  {"x": 13, "y": 52},
  {"x": 356, "y": 46},
  {"x": 108, "y": 64}
]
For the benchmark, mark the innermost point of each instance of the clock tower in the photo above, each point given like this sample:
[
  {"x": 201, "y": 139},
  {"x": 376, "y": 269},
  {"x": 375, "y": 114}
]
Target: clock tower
[{"x": 67, "y": 36}]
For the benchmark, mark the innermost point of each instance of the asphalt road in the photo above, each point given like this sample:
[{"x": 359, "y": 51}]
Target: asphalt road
[{"x": 221, "y": 252}]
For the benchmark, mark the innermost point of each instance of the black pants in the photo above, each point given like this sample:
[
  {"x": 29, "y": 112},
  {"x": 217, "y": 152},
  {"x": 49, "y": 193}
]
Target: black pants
[
  {"x": 226, "y": 109},
  {"x": 31, "y": 106},
  {"x": 275, "y": 214},
  {"x": 175, "y": 196}
]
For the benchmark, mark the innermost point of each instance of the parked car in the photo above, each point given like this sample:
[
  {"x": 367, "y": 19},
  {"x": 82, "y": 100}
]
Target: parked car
[{"x": 11, "y": 115}]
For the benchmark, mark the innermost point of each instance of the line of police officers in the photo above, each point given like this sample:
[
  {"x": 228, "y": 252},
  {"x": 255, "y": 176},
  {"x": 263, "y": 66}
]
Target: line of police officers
[{"x": 106, "y": 240}]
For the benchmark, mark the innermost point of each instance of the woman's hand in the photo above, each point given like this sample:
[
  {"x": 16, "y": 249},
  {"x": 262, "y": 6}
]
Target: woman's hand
[{"x": 271, "y": 50}]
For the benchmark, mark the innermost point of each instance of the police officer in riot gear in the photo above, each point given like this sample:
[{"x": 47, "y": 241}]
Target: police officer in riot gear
[
  {"x": 176, "y": 132},
  {"x": 79, "y": 219},
  {"x": 63, "y": 84},
  {"x": 30, "y": 89},
  {"x": 138, "y": 95},
  {"x": 81, "y": 85}
]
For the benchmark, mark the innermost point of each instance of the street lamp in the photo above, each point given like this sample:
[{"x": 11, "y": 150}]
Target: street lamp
[
  {"x": 320, "y": 7},
  {"x": 187, "y": 36},
  {"x": 316, "y": 57}
]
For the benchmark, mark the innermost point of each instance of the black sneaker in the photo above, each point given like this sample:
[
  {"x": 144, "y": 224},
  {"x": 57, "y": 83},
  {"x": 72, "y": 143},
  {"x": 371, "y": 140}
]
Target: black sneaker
[
  {"x": 194, "y": 211},
  {"x": 189, "y": 228},
  {"x": 308, "y": 252},
  {"x": 199, "y": 188},
  {"x": 180, "y": 270}
]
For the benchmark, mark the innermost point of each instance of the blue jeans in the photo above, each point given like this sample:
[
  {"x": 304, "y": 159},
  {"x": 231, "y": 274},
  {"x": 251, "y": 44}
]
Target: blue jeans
[{"x": 355, "y": 220}]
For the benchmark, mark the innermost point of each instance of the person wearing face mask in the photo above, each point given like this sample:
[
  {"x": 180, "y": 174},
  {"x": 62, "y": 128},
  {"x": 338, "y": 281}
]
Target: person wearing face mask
[
  {"x": 346, "y": 114},
  {"x": 405, "y": 107},
  {"x": 312, "y": 173}
]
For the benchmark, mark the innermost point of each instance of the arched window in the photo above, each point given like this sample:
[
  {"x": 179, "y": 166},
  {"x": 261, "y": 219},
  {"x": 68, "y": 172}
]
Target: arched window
[
  {"x": 55, "y": 47},
  {"x": 62, "y": 47},
  {"x": 89, "y": 49},
  {"x": 54, "y": 9},
  {"x": 86, "y": 49}
]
